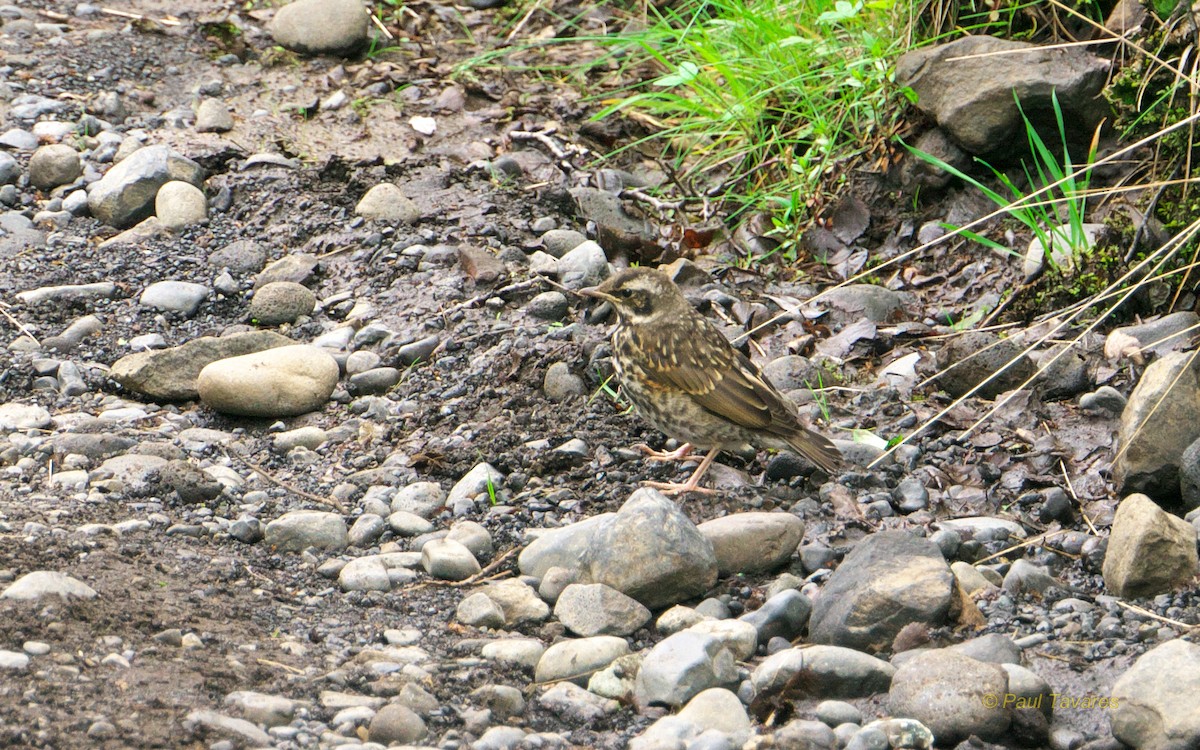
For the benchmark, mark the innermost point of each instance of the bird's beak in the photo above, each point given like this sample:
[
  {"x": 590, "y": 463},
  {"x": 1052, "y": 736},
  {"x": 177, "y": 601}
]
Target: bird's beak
[{"x": 595, "y": 293}]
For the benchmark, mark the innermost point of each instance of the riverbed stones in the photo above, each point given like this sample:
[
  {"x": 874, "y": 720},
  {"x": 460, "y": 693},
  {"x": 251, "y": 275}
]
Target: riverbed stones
[
  {"x": 596, "y": 609},
  {"x": 279, "y": 382},
  {"x": 890, "y": 579},
  {"x": 577, "y": 659},
  {"x": 949, "y": 692},
  {"x": 1168, "y": 393},
  {"x": 212, "y": 116},
  {"x": 180, "y": 204},
  {"x": 299, "y": 529},
  {"x": 838, "y": 672},
  {"x": 170, "y": 374},
  {"x": 753, "y": 542},
  {"x": 281, "y": 302},
  {"x": 681, "y": 666},
  {"x": 1149, "y": 550},
  {"x": 320, "y": 27},
  {"x": 43, "y": 583},
  {"x": 387, "y": 202},
  {"x": 54, "y": 165},
  {"x": 1153, "y": 704},
  {"x": 982, "y": 364},
  {"x": 126, "y": 193},
  {"x": 648, "y": 550},
  {"x": 448, "y": 560}
]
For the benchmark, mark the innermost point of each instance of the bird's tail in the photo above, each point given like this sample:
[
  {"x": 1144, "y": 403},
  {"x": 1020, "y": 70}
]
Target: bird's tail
[{"x": 818, "y": 449}]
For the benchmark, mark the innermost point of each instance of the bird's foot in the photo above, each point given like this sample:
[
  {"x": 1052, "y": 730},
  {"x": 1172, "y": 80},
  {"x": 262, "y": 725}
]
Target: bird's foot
[
  {"x": 679, "y": 488},
  {"x": 678, "y": 454},
  {"x": 693, "y": 482}
]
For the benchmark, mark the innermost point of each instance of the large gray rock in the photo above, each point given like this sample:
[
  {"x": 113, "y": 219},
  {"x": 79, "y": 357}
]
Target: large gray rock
[
  {"x": 951, "y": 694},
  {"x": 837, "y": 672},
  {"x": 1168, "y": 398},
  {"x": 170, "y": 374},
  {"x": 985, "y": 360},
  {"x": 278, "y": 382},
  {"x": 890, "y": 579},
  {"x": 1154, "y": 703},
  {"x": 1163, "y": 335},
  {"x": 1149, "y": 551},
  {"x": 125, "y": 195},
  {"x": 41, "y": 583},
  {"x": 652, "y": 552},
  {"x": 299, "y": 529},
  {"x": 753, "y": 542},
  {"x": 518, "y": 601},
  {"x": 54, "y": 165},
  {"x": 577, "y": 659},
  {"x": 321, "y": 26},
  {"x": 968, "y": 88},
  {"x": 649, "y": 550},
  {"x": 681, "y": 666},
  {"x": 596, "y": 609}
]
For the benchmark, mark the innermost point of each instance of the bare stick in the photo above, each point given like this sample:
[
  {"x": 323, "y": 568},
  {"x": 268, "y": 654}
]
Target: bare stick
[{"x": 333, "y": 502}]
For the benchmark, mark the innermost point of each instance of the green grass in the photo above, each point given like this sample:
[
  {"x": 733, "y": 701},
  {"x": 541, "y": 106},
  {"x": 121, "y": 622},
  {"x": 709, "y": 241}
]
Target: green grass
[
  {"x": 1054, "y": 210},
  {"x": 772, "y": 101}
]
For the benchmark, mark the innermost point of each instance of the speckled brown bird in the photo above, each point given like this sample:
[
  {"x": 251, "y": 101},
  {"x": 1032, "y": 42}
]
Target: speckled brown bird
[{"x": 688, "y": 381}]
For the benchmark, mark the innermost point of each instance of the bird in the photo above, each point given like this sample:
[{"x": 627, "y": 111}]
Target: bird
[{"x": 686, "y": 379}]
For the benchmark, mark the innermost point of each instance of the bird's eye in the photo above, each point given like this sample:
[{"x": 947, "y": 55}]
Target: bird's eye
[{"x": 625, "y": 293}]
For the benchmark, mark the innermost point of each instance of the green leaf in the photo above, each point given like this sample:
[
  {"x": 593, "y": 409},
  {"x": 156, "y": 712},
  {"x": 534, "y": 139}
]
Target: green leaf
[{"x": 686, "y": 72}]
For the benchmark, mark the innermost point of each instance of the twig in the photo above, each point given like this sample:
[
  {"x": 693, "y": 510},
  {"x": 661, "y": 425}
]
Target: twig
[
  {"x": 1071, "y": 489},
  {"x": 1027, "y": 543},
  {"x": 332, "y": 502},
  {"x": 658, "y": 204},
  {"x": 480, "y": 577},
  {"x": 524, "y": 20},
  {"x": 54, "y": 15},
  {"x": 139, "y": 17},
  {"x": 519, "y": 286},
  {"x": 288, "y": 667},
  {"x": 562, "y": 153},
  {"x": 379, "y": 24},
  {"x": 1147, "y": 613},
  {"x": 19, "y": 325}
]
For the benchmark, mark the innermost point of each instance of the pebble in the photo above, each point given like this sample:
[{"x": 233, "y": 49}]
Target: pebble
[
  {"x": 548, "y": 306},
  {"x": 448, "y": 560},
  {"x": 280, "y": 302},
  {"x": 126, "y": 194},
  {"x": 747, "y": 543},
  {"x": 299, "y": 529},
  {"x": 596, "y": 609},
  {"x": 320, "y": 27},
  {"x": 54, "y": 165},
  {"x": 278, "y": 382},
  {"x": 42, "y": 583},
  {"x": 520, "y": 652},
  {"x": 386, "y": 202},
  {"x": 212, "y": 116},
  {"x": 396, "y": 724},
  {"x": 183, "y": 297},
  {"x": 561, "y": 384},
  {"x": 576, "y": 659},
  {"x": 180, "y": 204}
]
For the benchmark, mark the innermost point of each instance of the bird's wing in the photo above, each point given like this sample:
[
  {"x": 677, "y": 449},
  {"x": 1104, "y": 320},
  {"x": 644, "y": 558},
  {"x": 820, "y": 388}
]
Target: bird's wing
[{"x": 719, "y": 378}]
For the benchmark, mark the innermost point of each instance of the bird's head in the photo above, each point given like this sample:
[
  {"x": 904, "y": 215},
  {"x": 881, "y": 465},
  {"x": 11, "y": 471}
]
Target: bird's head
[{"x": 640, "y": 295}]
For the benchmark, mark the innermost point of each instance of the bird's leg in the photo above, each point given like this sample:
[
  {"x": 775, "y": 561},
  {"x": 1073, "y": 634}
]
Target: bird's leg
[
  {"x": 678, "y": 454},
  {"x": 693, "y": 483}
]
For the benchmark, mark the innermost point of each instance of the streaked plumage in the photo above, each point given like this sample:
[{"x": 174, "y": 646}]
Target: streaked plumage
[{"x": 687, "y": 380}]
